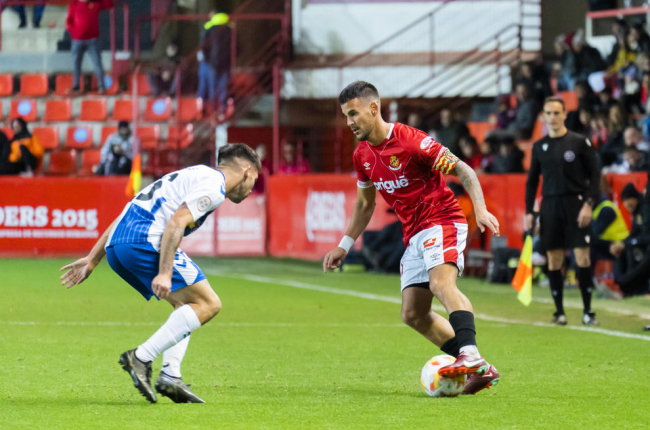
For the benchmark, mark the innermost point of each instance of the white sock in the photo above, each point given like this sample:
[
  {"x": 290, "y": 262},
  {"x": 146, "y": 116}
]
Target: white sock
[
  {"x": 470, "y": 350},
  {"x": 179, "y": 325},
  {"x": 173, "y": 356}
]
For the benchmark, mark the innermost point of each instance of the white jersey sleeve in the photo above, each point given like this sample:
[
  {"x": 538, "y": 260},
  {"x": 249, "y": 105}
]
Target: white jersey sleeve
[{"x": 208, "y": 192}]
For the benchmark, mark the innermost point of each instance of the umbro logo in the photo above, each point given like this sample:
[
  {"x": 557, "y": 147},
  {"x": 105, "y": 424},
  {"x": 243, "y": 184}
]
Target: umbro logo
[{"x": 367, "y": 166}]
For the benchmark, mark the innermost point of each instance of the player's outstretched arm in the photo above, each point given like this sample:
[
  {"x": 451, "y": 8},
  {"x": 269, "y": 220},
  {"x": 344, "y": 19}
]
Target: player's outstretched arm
[
  {"x": 162, "y": 283},
  {"x": 363, "y": 209},
  {"x": 81, "y": 269},
  {"x": 471, "y": 184}
]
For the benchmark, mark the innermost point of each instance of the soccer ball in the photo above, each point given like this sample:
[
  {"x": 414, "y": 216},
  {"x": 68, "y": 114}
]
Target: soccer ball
[{"x": 437, "y": 386}]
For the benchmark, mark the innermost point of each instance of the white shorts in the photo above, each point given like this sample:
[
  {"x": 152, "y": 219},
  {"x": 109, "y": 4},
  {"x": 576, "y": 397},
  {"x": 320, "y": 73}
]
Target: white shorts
[{"x": 432, "y": 247}]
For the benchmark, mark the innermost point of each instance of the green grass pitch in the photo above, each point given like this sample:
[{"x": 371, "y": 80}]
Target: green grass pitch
[{"x": 294, "y": 348}]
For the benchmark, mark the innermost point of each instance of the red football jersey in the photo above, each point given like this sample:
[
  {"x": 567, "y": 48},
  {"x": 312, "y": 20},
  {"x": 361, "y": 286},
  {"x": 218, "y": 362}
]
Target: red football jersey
[{"x": 407, "y": 170}]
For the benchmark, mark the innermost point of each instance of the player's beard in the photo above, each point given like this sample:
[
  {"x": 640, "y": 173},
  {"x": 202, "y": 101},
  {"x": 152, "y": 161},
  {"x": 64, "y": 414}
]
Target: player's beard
[{"x": 239, "y": 194}]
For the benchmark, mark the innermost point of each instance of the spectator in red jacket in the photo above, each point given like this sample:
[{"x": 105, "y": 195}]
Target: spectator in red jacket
[{"x": 83, "y": 25}]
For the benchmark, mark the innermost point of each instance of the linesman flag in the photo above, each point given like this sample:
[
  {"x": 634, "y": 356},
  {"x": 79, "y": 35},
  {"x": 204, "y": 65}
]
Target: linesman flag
[
  {"x": 523, "y": 280},
  {"x": 133, "y": 186}
]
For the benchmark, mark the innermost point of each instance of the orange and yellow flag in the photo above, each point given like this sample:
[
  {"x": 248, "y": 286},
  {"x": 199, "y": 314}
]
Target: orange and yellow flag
[
  {"x": 133, "y": 186},
  {"x": 523, "y": 280}
]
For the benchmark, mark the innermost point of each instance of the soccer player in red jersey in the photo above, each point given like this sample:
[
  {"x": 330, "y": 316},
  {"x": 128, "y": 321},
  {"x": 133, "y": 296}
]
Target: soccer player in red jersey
[{"x": 406, "y": 166}]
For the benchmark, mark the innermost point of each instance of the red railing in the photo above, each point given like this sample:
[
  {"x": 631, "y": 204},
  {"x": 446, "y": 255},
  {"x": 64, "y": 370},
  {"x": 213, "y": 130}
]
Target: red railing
[{"x": 125, "y": 15}]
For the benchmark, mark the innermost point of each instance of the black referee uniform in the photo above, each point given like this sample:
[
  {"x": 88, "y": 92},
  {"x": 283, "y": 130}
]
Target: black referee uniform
[{"x": 571, "y": 177}]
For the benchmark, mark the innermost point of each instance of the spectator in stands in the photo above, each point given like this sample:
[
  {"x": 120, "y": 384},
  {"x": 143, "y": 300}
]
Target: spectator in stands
[
  {"x": 599, "y": 130},
  {"x": 23, "y": 154},
  {"x": 260, "y": 184},
  {"x": 622, "y": 55},
  {"x": 292, "y": 163},
  {"x": 568, "y": 69},
  {"x": 509, "y": 158},
  {"x": 633, "y": 137},
  {"x": 216, "y": 51},
  {"x": 470, "y": 152},
  {"x": 505, "y": 113},
  {"x": 117, "y": 152},
  {"x": 540, "y": 85},
  {"x": 163, "y": 79},
  {"x": 631, "y": 94},
  {"x": 527, "y": 110},
  {"x": 449, "y": 131},
  {"x": 633, "y": 253},
  {"x": 20, "y": 9},
  {"x": 581, "y": 121},
  {"x": 610, "y": 153},
  {"x": 83, "y": 25},
  {"x": 635, "y": 159},
  {"x": 638, "y": 39},
  {"x": 587, "y": 58},
  {"x": 606, "y": 100},
  {"x": 586, "y": 95}
]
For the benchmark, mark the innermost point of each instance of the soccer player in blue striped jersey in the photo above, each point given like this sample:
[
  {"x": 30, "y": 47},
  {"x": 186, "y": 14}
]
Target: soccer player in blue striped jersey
[{"x": 141, "y": 246}]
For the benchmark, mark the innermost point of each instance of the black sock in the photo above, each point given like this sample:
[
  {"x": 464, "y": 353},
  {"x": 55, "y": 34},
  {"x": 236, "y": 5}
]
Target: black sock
[
  {"x": 451, "y": 347},
  {"x": 586, "y": 283},
  {"x": 557, "y": 289},
  {"x": 463, "y": 324}
]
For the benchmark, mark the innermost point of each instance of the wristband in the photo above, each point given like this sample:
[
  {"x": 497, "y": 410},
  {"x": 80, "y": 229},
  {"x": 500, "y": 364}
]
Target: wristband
[{"x": 346, "y": 243}]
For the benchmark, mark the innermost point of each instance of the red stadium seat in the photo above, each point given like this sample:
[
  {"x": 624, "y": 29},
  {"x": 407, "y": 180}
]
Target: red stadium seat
[
  {"x": 34, "y": 85},
  {"x": 63, "y": 85},
  {"x": 110, "y": 82},
  {"x": 25, "y": 108},
  {"x": 570, "y": 99},
  {"x": 62, "y": 162},
  {"x": 89, "y": 159},
  {"x": 47, "y": 136},
  {"x": 123, "y": 110},
  {"x": 479, "y": 130},
  {"x": 6, "y": 84},
  {"x": 107, "y": 131},
  {"x": 185, "y": 137},
  {"x": 149, "y": 136},
  {"x": 143, "y": 85},
  {"x": 58, "y": 110},
  {"x": 190, "y": 109},
  {"x": 158, "y": 109},
  {"x": 93, "y": 110},
  {"x": 79, "y": 137},
  {"x": 7, "y": 131}
]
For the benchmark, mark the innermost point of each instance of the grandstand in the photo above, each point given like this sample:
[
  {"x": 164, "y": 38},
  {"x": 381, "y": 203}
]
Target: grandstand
[{"x": 462, "y": 71}]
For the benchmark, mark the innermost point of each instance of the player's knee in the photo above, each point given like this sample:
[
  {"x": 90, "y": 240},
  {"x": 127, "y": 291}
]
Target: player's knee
[
  {"x": 213, "y": 305},
  {"x": 413, "y": 318}
]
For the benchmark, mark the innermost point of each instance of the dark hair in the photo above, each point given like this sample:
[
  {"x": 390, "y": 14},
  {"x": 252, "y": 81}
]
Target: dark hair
[
  {"x": 631, "y": 148},
  {"x": 629, "y": 191},
  {"x": 122, "y": 124},
  {"x": 555, "y": 100},
  {"x": 239, "y": 150},
  {"x": 358, "y": 89}
]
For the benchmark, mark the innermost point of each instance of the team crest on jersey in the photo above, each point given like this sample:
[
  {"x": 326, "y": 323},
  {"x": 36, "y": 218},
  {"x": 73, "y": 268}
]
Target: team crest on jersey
[
  {"x": 394, "y": 163},
  {"x": 426, "y": 144},
  {"x": 203, "y": 204},
  {"x": 545, "y": 147},
  {"x": 569, "y": 156}
]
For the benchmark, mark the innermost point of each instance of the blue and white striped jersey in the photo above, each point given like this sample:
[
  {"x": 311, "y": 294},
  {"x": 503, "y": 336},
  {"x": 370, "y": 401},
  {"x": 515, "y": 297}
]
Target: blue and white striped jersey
[{"x": 144, "y": 218}]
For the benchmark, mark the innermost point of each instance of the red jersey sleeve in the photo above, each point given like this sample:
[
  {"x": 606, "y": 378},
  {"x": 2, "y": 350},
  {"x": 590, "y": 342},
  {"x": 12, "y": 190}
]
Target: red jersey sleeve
[
  {"x": 362, "y": 179},
  {"x": 433, "y": 153}
]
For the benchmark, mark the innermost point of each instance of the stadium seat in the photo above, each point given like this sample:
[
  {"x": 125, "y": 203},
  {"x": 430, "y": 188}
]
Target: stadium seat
[
  {"x": 570, "y": 99},
  {"x": 47, "y": 136},
  {"x": 190, "y": 109},
  {"x": 58, "y": 110},
  {"x": 185, "y": 137},
  {"x": 479, "y": 130},
  {"x": 149, "y": 136},
  {"x": 25, "y": 108},
  {"x": 538, "y": 130},
  {"x": 79, "y": 137},
  {"x": 63, "y": 85},
  {"x": 143, "y": 85},
  {"x": 158, "y": 110},
  {"x": 34, "y": 85},
  {"x": 7, "y": 131},
  {"x": 107, "y": 131},
  {"x": 89, "y": 158},
  {"x": 93, "y": 110},
  {"x": 123, "y": 110},
  {"x": 6, "y": 84},
  {"x": 111, "y": 84},
  {"x": 63, "y": 162}
]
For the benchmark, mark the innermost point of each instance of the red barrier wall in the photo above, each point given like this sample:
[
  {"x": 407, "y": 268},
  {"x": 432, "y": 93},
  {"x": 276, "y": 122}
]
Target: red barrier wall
[{"x": 56, "y": 216}]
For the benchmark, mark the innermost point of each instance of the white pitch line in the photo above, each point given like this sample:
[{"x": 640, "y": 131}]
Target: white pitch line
[
  {"x": 226, "y": 324},
  {"x": 389, "y": 299}
]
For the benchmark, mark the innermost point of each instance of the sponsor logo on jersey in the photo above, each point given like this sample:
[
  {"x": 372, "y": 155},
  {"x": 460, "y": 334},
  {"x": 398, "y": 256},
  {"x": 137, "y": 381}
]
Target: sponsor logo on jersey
[
  {"x": 394, "y": 163},
  {"x": 391, "y": 186},
  {"x": 324, "y": 216},
  {"x": 569, "y": 156},
  {"x": 426, "y": 144},
  {"x": 203, "y": 204},
  {"x": 429, "y": 243},
  {"x": 367, "y": 166}
]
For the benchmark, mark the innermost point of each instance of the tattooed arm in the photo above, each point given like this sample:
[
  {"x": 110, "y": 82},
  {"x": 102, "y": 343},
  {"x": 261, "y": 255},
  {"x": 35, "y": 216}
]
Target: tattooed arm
[{"x": 471, "y": 184}]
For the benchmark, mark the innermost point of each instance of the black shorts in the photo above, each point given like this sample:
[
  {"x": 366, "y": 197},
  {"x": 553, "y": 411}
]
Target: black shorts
[{"x": 558, "y": 221}]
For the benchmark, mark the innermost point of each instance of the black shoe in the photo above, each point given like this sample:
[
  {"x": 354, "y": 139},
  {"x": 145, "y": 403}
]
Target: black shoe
[
  {"x": 559, "y": 319},
  {"x": 140, "y": 373},
  {"x": 175, "y": 389},
  {"x": 589, "y": 319}
]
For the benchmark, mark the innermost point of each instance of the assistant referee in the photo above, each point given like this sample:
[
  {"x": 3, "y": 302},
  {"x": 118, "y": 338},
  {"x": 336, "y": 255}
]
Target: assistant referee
[{"x": 569, "y": 166}]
